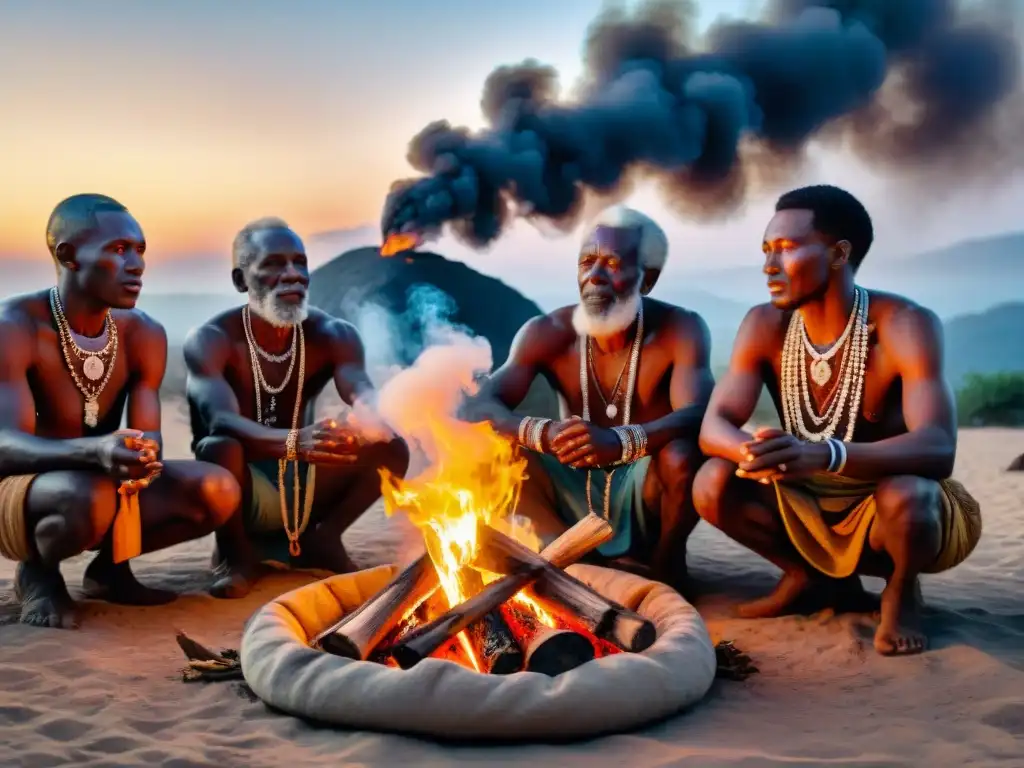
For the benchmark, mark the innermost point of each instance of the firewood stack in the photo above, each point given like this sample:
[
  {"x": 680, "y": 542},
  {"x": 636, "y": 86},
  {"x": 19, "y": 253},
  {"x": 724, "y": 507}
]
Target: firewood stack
[{"x": 525, "y": 613}]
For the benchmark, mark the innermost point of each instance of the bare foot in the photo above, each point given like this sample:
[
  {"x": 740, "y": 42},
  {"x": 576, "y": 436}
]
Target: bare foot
[
  {"x": 899, "y": 631},
  {"x": 44, "y": 597},
  {"x": 790, "y": 588},
  {"x": 115, "y": 583},
  {"x": 235, "y": 580}
]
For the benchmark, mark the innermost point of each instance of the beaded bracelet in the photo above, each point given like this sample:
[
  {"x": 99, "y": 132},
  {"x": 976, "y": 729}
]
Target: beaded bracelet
[{"x": 839, "y": 456}]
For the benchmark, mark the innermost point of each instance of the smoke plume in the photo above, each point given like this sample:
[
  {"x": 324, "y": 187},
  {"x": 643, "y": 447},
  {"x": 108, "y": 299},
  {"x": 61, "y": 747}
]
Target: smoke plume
[{"x": 915, "y": 87}]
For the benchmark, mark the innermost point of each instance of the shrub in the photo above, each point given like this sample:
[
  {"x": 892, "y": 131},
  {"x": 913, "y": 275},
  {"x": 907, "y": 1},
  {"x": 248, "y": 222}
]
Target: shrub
[{"x": 992, "y": 399}]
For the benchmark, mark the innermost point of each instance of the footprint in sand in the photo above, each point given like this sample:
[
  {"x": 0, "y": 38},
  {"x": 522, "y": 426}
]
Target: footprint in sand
[{"x": 1008, "y": 717}]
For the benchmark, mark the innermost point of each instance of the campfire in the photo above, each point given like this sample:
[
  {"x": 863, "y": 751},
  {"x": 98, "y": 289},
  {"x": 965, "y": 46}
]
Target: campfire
[{"x": 482, "y": 595}]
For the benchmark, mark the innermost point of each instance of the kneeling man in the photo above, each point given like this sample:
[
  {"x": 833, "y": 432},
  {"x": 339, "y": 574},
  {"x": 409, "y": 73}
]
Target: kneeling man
[
  {"x": 634, "y": 378},
  {"x": 254, "y": 374},
  {"x": 75, "y": 358},
  {"x": 858, "y": 482}
]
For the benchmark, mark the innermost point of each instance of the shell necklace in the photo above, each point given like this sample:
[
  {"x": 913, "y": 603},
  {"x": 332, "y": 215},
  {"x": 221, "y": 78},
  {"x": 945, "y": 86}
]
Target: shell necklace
[{"x": 585, "y": 364}]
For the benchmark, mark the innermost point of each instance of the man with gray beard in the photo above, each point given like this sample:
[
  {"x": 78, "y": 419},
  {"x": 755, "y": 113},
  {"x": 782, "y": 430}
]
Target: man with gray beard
[
  {"x": 633, "y": 375},
  {"x": 254, "y": 374}
]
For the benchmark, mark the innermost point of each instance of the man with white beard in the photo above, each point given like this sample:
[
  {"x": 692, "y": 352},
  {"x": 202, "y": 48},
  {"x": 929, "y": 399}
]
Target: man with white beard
[
  {"x": 633, "y": 375},
  {"x": 254, "y": 374}
]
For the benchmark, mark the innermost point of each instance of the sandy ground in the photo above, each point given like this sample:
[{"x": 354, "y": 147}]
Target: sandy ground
[{"x": 110, "y": 694}]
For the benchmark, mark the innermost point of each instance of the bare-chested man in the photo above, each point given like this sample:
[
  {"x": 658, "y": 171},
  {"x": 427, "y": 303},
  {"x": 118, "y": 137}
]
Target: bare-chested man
[
  {"x": 73, "y": 358},
  {"x": 858, "y": 483},
  {"x": 254, "y": 374},
  {"x": 616, "y": 359}
]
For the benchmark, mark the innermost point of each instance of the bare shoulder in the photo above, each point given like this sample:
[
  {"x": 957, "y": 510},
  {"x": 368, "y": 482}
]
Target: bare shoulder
[
  {"x": 207, "y": 343},
  {"x": 901, "y": 321},
  {"x": 546, "y": 336},
  {"x": 677, "y": 323},
  {"x": 20, "y": 317},
  {"x": 334, "y": 333},
  {"x": 139, "y": 326},
  {"x": 762, "y": 330}
]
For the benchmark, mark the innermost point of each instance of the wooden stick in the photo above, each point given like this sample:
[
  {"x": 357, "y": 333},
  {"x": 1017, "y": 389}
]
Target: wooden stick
[
  {"x": 600, "y": 616},
  {"x": 574, "y": 543},
  {"x": 554, "y": 651},
  {"x": 359, "y": 632}
]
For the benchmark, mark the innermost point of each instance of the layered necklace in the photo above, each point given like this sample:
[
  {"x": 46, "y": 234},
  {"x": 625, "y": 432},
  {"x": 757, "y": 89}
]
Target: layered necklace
[
  {"x": 297, "y": 526},
  {"x": 97, "y": 366},
  {"x": 586, "y": 366},
  {"x": 798, "y": 354}
]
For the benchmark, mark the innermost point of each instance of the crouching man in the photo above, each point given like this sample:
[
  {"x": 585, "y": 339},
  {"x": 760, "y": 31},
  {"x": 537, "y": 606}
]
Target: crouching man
[{"x": 254, "y": 374}]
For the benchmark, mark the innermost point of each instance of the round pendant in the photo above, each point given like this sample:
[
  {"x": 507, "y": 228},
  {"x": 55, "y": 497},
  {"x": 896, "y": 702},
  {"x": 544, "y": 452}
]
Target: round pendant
[
  {"x": 821, "y": 372},
  {"x": 93, "y": 368},
  {"x": 612, "y": 410}
]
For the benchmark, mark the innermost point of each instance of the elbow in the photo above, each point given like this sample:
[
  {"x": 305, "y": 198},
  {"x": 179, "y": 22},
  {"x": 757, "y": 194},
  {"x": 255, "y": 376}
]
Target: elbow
[
  {"x": 219, "y": 425},
  {"x": 945, "y": 460}
]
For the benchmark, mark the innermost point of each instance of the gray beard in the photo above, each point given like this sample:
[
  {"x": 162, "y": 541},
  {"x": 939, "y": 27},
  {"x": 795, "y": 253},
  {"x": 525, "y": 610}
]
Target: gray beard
[
  {"x": 277, "y": 313},
  {"x": 615, "y": 319}
]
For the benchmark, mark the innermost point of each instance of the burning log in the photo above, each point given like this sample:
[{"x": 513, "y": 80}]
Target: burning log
[
  {"x": 359, "y": 632},
  {"x": 554, "y": 651},
  {"x": 598, "y": 615},
  {"x": 583, "y": 537}
]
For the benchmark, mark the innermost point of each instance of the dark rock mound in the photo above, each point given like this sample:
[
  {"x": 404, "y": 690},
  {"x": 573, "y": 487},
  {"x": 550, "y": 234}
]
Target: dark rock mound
[
  {"x": 361, "y": 279},
  {"x": 1017, "y": 465}
]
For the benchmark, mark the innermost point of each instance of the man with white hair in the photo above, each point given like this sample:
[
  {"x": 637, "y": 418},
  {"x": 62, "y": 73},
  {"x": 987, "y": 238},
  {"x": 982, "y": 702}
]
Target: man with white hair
[
  {"x": 633, "y": 374},
  {"x": 254, "y": 374}
]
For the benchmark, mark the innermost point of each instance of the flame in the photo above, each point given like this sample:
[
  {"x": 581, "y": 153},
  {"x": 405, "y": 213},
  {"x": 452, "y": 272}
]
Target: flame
[
  {"x": 399, "y": 242},
  {"x": 476, "y": 477}
]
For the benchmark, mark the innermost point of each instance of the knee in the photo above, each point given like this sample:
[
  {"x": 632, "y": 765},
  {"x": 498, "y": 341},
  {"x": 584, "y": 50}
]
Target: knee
[
  {"x": 224, "y": 452},
  {"x": 218, "y": 495},
  {"x": 709, "y": 486},
  {"x": 677, "y": 464},
  {"x": 907, "y": 504},
  {"x": 79, "y": 510}
]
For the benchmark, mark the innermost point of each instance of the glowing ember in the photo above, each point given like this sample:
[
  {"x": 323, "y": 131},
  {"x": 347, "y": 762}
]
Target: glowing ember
[{"x": 397, "y": 243}]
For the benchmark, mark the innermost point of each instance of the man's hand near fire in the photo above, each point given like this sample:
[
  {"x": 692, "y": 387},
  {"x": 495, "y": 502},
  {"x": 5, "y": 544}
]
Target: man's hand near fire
[
  {"x": 328, "y": 441},
  {"x": 583, "y": 445}
]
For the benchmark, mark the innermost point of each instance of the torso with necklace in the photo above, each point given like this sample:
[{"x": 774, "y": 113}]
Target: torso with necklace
[
  {"x": 80, "y": 384},
  {"x": 848, "y": 390}
]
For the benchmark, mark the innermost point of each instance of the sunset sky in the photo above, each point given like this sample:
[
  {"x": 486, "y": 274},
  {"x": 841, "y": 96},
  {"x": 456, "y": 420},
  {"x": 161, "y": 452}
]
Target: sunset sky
[{"x": 202, "y": 114}]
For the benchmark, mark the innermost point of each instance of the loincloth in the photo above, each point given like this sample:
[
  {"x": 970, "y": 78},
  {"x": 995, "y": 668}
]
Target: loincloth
[
  {"x": 263, "y": 519},
  {"x": 829, "y": 517},
  {"x": 628, "y": 516},
  {"x": 14, "y": 542}
]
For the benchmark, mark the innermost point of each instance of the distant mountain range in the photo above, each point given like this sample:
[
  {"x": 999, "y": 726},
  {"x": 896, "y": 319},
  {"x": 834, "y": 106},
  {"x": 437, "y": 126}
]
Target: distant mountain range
[
  {"x": 967, "y": 277},
  {"x": 976, "y": 286}
]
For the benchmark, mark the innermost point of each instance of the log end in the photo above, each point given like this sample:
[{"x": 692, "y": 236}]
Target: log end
[
  {"x": 633, "y": 633},
  {"x": 339, "y": 645},
  {"x": 553, "y": 652}
]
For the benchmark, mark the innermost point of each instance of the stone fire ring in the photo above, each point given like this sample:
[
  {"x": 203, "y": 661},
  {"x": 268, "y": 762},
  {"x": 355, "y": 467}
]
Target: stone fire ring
[{"x": 442, "y": 699}]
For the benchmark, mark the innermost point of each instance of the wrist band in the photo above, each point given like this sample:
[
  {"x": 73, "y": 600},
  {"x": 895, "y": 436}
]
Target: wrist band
[
  {"x": 290, "y": 451},
  {"x": 832, "y": 455},
  {"x": 841, "y": 448}
]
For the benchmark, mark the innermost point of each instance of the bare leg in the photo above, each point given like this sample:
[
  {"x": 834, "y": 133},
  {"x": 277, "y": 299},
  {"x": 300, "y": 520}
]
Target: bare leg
[
  {"x": 747, "y": 512},
  {"x": 71, "y": 512},
  {"x": 236, "y": 565},
  {"x": 908, "y": 529},
  {"x": 668, "y": 490},
  {"x": 342, "y": 495},
  {"x": 189, "y": 500}
]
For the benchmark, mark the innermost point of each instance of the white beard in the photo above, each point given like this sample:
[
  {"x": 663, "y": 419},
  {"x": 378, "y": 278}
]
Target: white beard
[
  {"x": 278, "y": 313},
  {"x": 617, "y": 318}
]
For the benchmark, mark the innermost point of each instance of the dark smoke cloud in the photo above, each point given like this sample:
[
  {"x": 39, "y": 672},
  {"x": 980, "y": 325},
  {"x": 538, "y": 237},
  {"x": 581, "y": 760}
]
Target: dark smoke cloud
[{"x": 908, "y": 84}]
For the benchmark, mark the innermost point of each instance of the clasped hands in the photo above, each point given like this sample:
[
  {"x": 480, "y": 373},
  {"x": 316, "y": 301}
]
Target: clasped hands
[
  {"x": 131, "y": 458},
  {"x": 774, "y": 455},
  {"x": 581, "y": 444}
]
